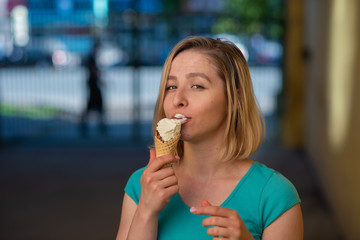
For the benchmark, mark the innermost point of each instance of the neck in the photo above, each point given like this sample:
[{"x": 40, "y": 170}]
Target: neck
[{"x": 201, "y": 160}]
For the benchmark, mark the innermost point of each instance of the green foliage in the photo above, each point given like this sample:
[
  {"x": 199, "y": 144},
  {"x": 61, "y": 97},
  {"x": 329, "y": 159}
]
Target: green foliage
[
  {"x": 245, "y": 17},
  {"x": 226, "y": 24},
  {"x": 33, "y": 112},
  {"x": 171, "y": 7},
  {"x": 253, "y": 16}
]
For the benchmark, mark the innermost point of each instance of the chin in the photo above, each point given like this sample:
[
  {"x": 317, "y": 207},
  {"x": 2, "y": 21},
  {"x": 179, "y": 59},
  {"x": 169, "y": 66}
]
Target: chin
[{"x": 185, "y": 136}]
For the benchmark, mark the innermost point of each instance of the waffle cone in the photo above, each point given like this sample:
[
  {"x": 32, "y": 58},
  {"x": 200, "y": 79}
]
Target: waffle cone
[{"x": 163, "y": 148}]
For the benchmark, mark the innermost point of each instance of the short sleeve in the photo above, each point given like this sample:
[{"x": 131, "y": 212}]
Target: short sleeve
[
  {"x": 278, "y": 196},
  {"x": 133, "y": 187}
]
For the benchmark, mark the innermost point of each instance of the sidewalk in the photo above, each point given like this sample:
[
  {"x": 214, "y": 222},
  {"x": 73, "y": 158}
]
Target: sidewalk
[{"x": 73, "y": 189}]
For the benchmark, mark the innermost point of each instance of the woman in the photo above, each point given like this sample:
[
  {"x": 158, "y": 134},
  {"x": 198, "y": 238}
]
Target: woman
[{"x": 213, "y": 190}]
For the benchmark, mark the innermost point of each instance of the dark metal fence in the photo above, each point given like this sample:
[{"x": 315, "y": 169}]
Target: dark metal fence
[{"x": 43, "y": 68}]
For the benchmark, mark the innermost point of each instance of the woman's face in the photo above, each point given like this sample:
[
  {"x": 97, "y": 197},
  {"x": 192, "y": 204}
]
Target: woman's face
[{"x": 195, "y": 90}]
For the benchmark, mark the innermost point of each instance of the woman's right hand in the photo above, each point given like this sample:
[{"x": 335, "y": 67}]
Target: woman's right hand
[{"x": 157, "y": 184}]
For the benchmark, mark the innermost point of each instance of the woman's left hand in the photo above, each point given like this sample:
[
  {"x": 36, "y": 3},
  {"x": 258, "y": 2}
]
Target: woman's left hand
[{"x": 225, "y": 223}]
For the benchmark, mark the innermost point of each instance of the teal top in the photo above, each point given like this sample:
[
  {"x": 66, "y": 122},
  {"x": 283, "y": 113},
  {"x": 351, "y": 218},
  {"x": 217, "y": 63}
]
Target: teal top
[{"x": 260, "y": 197}]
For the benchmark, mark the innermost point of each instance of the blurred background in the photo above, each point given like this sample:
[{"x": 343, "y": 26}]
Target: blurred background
[{"x": 79, "y": 81}]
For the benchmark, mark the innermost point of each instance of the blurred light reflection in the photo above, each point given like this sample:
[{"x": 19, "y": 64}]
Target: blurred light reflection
[{"x": 20, "y": 25}]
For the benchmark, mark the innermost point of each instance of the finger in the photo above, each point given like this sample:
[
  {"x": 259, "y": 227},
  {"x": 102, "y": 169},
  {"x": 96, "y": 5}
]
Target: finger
[
  {"x": 149, "y": 177},
  {"x": 164, "y": 173},
  {"x": 172, "y": 190},
  {"x": 159, "y": 162},
  {"x": 169, "y": 181},
  {"x": 218, "y": 232},
  {"x": 152, "y": 155},
  {"x": 205, "y": 203},
  {"x": 216, "y": 221},
  {"x": 211, "y": 210}
]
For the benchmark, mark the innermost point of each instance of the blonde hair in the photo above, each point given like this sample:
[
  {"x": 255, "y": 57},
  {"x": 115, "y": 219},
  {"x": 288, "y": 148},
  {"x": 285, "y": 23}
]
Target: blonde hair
[{"x": 245, "y": 123}]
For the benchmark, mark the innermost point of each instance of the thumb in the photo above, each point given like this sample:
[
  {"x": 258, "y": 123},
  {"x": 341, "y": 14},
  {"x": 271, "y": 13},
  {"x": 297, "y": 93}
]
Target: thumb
[
  {"x": 205, "y": 203},
  {"x": 152, "y": 155}
]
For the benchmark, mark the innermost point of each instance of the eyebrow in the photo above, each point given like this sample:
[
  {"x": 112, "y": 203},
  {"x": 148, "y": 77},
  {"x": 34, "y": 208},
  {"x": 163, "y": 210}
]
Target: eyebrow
[
  {"x": 198, "y": 74},
  {"x": 191, "y": 75},
  {"x": 171, "y": 78}
]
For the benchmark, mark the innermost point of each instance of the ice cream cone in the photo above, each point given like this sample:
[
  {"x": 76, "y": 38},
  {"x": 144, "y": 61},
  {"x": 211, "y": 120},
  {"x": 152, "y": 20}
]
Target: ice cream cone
[{"x": 168, "y": 147}]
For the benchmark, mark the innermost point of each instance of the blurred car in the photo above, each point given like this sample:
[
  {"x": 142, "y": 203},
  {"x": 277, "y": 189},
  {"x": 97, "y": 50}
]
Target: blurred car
[
  {"x": 236, "y": 40},
  {"x": 110, "y": 55},
  {"x": 63, "y": 58},
  {"x": 257, "y": 49},
  {"x": 266, "y": 51}
]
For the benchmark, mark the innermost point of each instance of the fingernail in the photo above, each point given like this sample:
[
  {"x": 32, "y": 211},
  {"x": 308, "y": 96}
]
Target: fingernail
[{"x": 193, "y": 210}]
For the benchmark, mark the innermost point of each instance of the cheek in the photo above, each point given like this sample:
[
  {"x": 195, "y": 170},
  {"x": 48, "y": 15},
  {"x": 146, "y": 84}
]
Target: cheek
[
  {"x": 217, "y": 104},
  {"x": 219, "y": 110},
  {"x": 212, "y": 112},
  {"x": 166, "y": 106}
]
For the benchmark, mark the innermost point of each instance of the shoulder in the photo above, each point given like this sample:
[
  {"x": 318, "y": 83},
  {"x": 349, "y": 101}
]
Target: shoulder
[
  {"x": 278, "y": 194},
  {"x": 133, "y": 186},
  {"x": 269, "y": 178},
  {"x": 274, "y": 183},
  {"x": 262, "y": 171}
]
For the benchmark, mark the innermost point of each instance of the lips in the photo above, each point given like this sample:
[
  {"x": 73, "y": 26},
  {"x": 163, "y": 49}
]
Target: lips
[{"x": 183, "y": 119}]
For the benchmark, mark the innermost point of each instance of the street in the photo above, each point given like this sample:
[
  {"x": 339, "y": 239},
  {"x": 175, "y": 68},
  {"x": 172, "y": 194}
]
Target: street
[{"x": 43, "y": 101}]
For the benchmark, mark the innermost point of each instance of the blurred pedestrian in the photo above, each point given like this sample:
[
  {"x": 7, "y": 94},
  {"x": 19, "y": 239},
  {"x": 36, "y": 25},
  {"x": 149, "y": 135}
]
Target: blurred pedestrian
[{"x": 95, "y": 97}]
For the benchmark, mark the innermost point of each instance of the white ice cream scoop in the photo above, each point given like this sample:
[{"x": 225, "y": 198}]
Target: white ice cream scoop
[
  {"x": 168, "y": 128},
  {"x": 180, "y": 117}
]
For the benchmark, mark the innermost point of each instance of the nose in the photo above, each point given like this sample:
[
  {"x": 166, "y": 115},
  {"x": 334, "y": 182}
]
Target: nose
[{"x": 180, "y": 98}]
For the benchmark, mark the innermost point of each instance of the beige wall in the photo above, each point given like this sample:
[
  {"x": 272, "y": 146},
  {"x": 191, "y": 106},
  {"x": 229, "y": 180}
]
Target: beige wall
[
  {"x": 292, "y": 132},
  {"x": 332, "y": 104}
]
